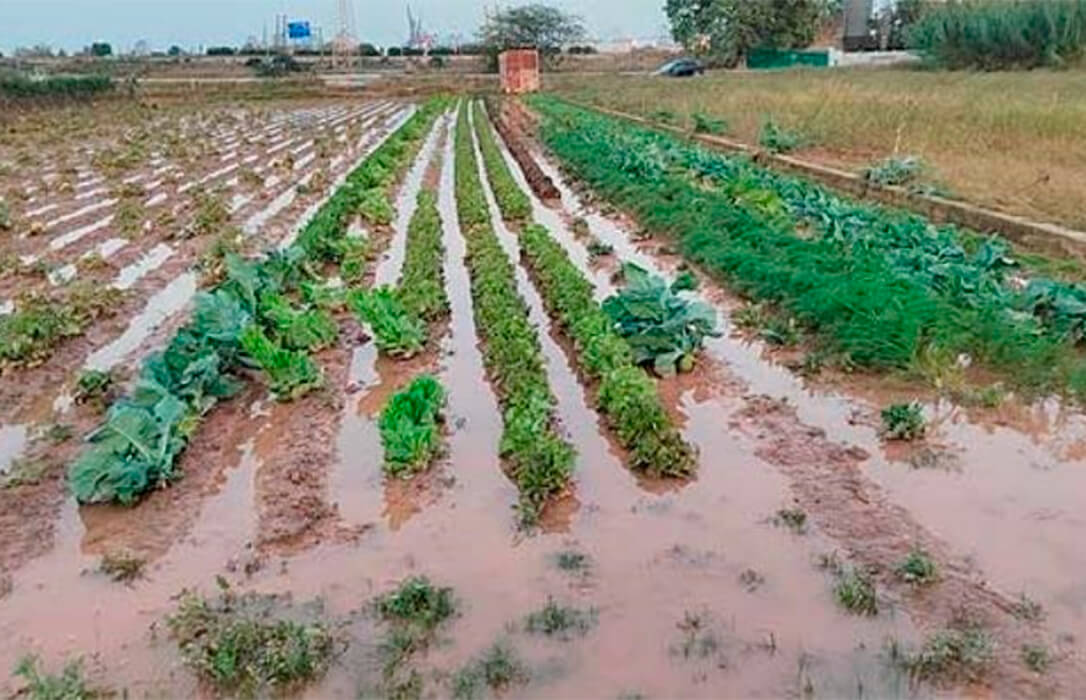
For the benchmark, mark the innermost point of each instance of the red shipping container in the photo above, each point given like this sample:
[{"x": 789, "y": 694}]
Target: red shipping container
[{"x": 519, "y": 69}]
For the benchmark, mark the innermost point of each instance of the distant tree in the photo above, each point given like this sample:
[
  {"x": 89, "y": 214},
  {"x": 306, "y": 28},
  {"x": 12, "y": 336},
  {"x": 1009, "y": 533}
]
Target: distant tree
[
  {"x": 367, "y": 49},
  {"x": 581, "y": 50},
  {"x": 725, "y": 30},
  {"x": 394, "y": 51},
  {"x": 221, "y": 51},
  {"x": 535, "y": 26},
  {"x": 174, "y": 50},
  {"x": 101, "y": 49}
]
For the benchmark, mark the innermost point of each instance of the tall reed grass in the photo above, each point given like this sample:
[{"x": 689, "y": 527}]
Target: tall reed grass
[{"x": 1002, "y": 34}]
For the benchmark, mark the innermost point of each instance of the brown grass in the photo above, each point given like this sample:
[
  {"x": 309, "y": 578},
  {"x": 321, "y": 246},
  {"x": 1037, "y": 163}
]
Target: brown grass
[{"x": 1015, "y": 142}]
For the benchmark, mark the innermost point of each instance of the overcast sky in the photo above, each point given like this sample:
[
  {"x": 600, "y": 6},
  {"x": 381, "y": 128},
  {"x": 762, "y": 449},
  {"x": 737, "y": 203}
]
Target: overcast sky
[{"x": 72, "y": 24}]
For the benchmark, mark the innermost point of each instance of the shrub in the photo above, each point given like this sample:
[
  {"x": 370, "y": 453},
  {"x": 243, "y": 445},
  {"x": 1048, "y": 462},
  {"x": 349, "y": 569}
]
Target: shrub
[{"x": 1002, "y": 34}]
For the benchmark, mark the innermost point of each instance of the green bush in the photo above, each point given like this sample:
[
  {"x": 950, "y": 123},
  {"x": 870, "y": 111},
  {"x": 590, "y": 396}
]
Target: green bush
[{"x": 1002, "y": 34}]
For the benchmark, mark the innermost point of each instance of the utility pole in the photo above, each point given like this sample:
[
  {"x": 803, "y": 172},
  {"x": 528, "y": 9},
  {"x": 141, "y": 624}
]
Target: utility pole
[{"x": 346, "y": 41}]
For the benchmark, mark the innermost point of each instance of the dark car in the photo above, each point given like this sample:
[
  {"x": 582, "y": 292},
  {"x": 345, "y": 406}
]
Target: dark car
[{"x": 681, "y": 68}]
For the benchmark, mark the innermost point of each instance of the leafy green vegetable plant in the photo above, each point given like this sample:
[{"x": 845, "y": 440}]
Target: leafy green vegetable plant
[
  {"x": 397, "y": 332},
  {"x": 245, "y": 321},
  {"x": 411, "y": 427},
  {"x": 664, "y": 329}
]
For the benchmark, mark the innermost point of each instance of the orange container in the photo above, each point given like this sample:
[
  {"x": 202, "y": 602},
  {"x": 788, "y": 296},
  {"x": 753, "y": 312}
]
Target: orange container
[{"x": 519, "y": 70}]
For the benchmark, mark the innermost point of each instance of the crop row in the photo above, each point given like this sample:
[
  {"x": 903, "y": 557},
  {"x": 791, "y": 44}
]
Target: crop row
[
  {"x": 539, "y": 460},
  {"x": 626, "y": 395},
  {"x": 513, "y": 202},
  {"x": 399, "y": 317},
  {"x": 882, "y": 289},
  {"x": 265, "y": 314}
]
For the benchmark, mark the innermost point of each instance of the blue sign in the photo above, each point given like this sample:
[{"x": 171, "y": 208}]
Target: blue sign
[{"x": 298, "y": 30}]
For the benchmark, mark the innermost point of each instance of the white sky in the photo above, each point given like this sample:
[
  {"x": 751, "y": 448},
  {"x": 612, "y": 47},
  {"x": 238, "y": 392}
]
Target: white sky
[{"x": 72, "y": 24}]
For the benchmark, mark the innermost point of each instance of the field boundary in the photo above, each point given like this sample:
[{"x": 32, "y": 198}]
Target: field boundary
[{"x": 1036, "y": 235}]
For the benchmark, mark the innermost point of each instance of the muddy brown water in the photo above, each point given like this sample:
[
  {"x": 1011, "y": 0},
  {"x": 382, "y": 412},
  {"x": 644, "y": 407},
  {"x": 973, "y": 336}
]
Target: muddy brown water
[{"x": 658, "y": 551}]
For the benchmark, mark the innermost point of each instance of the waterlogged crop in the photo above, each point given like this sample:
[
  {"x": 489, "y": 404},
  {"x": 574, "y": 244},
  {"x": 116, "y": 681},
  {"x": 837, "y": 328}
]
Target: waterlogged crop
[
  {"x": 40, "y": 323},
  {"x": 626, "y": 396},
  {"x": 664, "y": 329},
  {"x": 539, "y": 461},
  {"x": 422, "y": 282},
  {"x": 512, "y": 201},
  {"x": 411, "y": 427},
  {"x": 250, "y": 319},
  {"x": 291, "y": 373},
  {"x": 396, "y": 331},
  {"x": 880, "y": 288}
]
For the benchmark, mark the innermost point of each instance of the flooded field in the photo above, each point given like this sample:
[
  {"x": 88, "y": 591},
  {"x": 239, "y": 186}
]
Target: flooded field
[{"x": 773, "y": 567}]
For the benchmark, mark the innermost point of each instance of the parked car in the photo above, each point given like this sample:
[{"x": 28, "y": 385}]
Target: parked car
[{"x": 681, "y": 68}]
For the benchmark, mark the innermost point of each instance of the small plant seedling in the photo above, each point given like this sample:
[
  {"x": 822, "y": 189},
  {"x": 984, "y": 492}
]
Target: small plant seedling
[
  {"x": 58, "y": 433},
  {"x": 93, "y": 387},
  {"x": 664, "y": 115},
  {"x": 895, "y": 171},
  {"x": 122, "y": 566},
  {"x": 42, "y": 685},
  {"x": 580, "y": 227},
  {"x": 705, "y": 124},
  {"x": 918, "y": 568},
  {"x": 855, "y": 591},
  {"x": 572, "y": 561},
  {"x": 751, "y": 580},
  {"x": 903, "y": 421},
  {"x": 777, "y": 139},
  {"x": 957, "y": 652},
  {"x": 781, "y": 331},
  {"x": 25, "y": 471},
  {"x": 598, "y": 249},
  {"x": 1036, "y": 657},
  {"x": 1025, "y": 608},
  {"x": 499, "y": 668},
  {"x": 699, "y": 641},
  {"x": 417, "y": 602},
  {"x": 795, "y": 519},
  {"x": 563, "y": 622}
]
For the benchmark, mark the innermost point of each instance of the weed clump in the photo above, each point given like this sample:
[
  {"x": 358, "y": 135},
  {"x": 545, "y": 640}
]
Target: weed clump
[
  {"x": 1026, "y": 608},
  {"x": 572, "y": 561},
  {"x": 563, "y": 622},
  {"x": 499, "y": 668},
  {"x": 699, "y": 640},
  {"x": 903, "y": 421},
  {"x": 795, "y": 519},
  {"x": 959, "y": 652},
  {"x": 246, "y": 644},
  {"x": 1036, "y": 657},
  {"x": 854, "y": 590},
  {"x": 777, "y": 139},
  {"x": 705, "y": 124},
  {"x": 918, "y": 568},
  {"x": 42, "y": 685},
  {"x": 895, "y": 171},
  {"x": 417, "y": 603},
  {"x": 93, "y": 387},
  {"x": 122, "y": 566}
]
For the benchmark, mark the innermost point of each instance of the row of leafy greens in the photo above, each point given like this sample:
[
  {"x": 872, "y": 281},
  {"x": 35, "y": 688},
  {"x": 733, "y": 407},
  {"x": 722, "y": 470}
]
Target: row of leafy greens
[
  {"x": 879, "y": 288},
  {"x": 626, "y": 395},
  {"x": 539, "y": 460},
  {"x": 266, "y": 315}
]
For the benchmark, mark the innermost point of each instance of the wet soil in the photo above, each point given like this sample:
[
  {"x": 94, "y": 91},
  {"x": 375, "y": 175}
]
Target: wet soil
[{"x": 698, "y": 593}]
